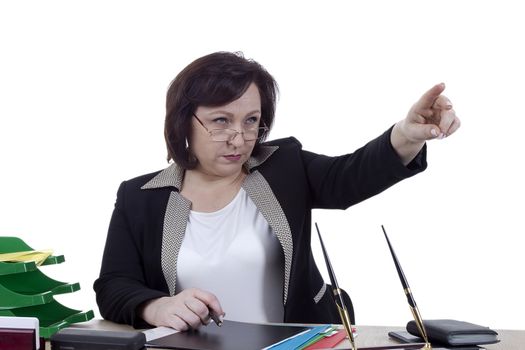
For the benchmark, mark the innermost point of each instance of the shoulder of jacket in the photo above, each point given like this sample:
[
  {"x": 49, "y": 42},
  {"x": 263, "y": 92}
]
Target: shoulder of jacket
[
  {"x": 139, "y": 181},
  {"x": 288, "y": 142}
]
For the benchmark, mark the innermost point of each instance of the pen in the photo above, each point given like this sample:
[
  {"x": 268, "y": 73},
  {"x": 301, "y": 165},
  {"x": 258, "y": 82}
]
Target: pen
[
  {"x": 410, "y": 298},
  {"x": 338, "y": 298},
  {"x": 214, "y": 317}
]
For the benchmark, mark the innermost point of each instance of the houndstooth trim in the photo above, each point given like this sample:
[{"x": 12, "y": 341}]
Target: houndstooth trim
[
  {"x": 175, "y": 220},
  {"x": 171, "y": 176},
  {"x": 261, "y": 194},
  {"x": 320, "y": 293},
  {"x": 264, "y": 153}
]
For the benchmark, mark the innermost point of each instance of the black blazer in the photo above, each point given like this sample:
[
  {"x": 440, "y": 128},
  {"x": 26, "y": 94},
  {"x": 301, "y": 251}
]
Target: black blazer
[{"x": 284, "y": 181}]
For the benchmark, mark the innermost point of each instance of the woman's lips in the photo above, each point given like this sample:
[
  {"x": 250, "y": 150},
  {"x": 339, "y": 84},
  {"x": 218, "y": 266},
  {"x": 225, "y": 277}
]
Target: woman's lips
[{"x": 233, "y": 157}]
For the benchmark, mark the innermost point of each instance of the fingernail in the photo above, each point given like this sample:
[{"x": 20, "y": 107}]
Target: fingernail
[
  {"x": 434, "y": 132},
  {"x": 442, "y": 136},
  {"x": 221, "y": 318}
]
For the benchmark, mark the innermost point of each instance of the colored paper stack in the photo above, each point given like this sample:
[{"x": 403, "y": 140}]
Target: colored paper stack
[
  {"x": 26, "y": 292},
  {"x": 320, "y": 337}
]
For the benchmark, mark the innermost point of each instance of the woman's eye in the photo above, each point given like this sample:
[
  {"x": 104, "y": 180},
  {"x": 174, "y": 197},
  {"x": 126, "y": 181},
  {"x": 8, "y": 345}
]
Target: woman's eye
[
  {"x": 252, "y": 120},
  {"x": 220, "y": 120}
]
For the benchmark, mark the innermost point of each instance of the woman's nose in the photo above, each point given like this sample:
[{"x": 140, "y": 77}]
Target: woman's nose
[{"x": 237, "y": 140}]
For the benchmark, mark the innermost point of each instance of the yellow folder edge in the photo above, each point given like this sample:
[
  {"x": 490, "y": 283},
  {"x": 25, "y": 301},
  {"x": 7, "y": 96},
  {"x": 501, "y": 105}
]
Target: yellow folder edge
[{"x": 38, "y": 256}]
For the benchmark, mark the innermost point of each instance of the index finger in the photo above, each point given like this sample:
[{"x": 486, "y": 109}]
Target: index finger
[{"x": 427, "y": 100}]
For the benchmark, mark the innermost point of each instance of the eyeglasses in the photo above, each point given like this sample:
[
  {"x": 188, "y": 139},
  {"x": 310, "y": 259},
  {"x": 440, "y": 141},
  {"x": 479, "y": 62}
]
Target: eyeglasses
[{"x": 221, "y": 135}]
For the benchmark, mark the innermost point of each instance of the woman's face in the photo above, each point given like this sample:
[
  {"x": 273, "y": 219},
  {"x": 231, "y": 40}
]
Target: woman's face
[{"x": 225, "y": 158}]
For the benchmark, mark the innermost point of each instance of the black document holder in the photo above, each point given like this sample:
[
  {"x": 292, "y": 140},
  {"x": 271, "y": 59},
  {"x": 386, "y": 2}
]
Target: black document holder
[
  {"x": 90, "y": 339},
  {"x": 231, "y": 336},
  {"x": 455, "y": 333}
]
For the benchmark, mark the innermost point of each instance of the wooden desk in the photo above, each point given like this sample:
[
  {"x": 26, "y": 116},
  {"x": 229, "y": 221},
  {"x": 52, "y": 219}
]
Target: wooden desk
[
  {"x": 378, "y": 335},
  {"x": 367, "y": 335}
]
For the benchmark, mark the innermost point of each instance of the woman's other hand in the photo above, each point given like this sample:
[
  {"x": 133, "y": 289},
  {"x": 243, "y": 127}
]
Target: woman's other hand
[
  {"x": 188, "y": 309},
  {"x": 432, "y": 116}
]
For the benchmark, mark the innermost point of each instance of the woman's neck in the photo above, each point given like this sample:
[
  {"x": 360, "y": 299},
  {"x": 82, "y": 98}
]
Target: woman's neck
[
  {"x": 210, "y": 193},
  {"x": 211, "y": 181}
]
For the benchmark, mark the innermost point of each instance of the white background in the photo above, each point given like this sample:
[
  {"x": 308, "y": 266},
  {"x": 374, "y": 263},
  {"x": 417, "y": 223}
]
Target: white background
[{"x": 82, "y": 89}]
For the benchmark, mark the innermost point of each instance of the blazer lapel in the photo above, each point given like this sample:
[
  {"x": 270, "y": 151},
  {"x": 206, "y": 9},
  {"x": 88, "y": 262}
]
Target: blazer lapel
[
  {"x": 262, "y": 195},
  {"x": 175, "y": 220}
]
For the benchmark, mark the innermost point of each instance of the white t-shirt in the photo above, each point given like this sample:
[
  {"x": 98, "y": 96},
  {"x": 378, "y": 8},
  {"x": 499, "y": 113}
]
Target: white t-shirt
[{"x": 234, "y": 254}]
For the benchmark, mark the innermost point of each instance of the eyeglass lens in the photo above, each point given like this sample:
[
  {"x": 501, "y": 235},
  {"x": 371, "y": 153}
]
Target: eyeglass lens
[{"x": 230, "y": 134}]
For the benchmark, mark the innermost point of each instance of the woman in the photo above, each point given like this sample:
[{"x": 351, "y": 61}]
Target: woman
[{"x": 226, "y": 227}]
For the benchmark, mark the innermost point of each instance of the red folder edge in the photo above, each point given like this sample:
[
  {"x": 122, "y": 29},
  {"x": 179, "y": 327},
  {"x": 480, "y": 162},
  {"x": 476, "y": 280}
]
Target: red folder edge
[{"x": 328, "y": 342}]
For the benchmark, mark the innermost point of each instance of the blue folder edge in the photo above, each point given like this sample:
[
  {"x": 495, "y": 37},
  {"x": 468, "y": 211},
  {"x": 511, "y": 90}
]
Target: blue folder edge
[{"x": 299, "y": 339}]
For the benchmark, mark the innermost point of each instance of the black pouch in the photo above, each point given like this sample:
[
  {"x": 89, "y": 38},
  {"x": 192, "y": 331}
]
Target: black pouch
[
  {"x": 453, "y": 332},
  {"x": 91, "y": 339}
]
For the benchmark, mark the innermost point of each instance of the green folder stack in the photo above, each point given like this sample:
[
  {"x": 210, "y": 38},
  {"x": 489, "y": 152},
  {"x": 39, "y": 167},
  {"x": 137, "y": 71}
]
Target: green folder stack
[{"x": 27, "y": 292}]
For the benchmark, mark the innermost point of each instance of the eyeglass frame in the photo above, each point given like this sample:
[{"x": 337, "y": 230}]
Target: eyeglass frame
[{"x": 263, "y": 128}]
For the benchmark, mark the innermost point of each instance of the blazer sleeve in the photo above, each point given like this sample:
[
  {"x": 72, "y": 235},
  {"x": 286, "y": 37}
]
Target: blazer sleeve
[
  {"x": 121, "y": 287},
  {"x": 339, "y": 182}
]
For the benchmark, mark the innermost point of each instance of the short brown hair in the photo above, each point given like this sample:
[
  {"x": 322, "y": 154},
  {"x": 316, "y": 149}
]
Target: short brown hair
[{"x": 213, "y": 80}]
